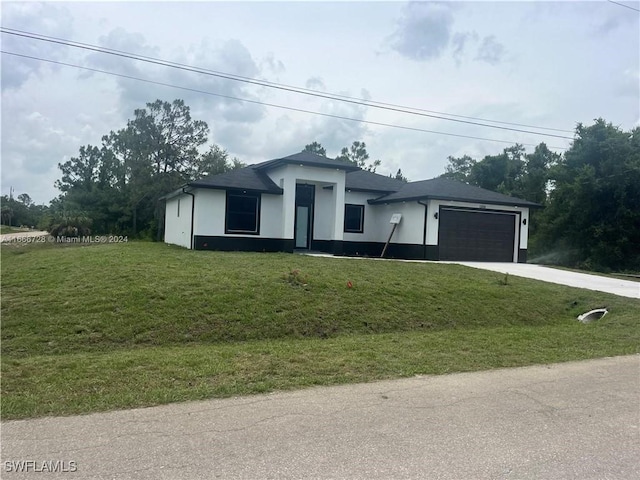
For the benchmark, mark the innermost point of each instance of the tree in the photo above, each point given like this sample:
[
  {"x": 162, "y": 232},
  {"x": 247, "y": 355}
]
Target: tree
[
  {"x": 500, "y": 173},
  {"x": 215, "y": 161},
  {"x": 80, "y": 171},
  {"x": 459, "y": 168},
  {"x": 69, "y": 225},
  {"x": 117, "y": 185},
  {"x": 400, "y": 176},
  {"x": 593, "y": 212},
  {"x": 357, "y": 154},
  {"x": 535, "y": 173},
  {"x": 25, "y": 199},
  {"x": 21, "y": 211},
  {"x": 315, "y": 147},
  {"x": 7, "y": 214},
  {"x": 167, "y": 135}
]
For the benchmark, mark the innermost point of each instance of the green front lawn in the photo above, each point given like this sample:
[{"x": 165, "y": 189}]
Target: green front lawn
[
  {"x": 89, "y": 328},
  {"x": 7, "y": 229}
]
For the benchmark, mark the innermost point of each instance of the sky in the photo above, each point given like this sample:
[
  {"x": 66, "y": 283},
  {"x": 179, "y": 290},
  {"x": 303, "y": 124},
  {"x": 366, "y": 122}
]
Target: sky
[{"x": 541, "y": 64}]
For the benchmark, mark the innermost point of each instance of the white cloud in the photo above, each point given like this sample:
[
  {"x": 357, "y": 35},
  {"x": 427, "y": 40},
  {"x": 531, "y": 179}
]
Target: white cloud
[
  {"x": 44, "y": 18},
  {"x": 423, "y": 31},
  {"x": 560, "y": 71},
  {"x": 490, "y": 51},
  {"x": 315, "y": 83}
]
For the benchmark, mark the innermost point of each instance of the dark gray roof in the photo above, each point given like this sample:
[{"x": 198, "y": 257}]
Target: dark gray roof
[
  {"x": 247, "y": 178},
  {"x": 447, "y": 189},
  {"x": 363, "y": 181},
  {"x": 309, "y": 159},
  {"x": 255, "y": 179}
]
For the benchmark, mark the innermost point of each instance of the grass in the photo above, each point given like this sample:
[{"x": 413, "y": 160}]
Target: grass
[
  {"x": 99, "y": 327},
  {"x": 7, "y": 229}
]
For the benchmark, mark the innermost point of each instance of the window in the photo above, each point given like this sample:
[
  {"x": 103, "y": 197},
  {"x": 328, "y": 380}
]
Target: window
[
  {"x": 178, "y": 208},
  {"x": 243, "y": 213},
  {"x": 353, "y": 218}
]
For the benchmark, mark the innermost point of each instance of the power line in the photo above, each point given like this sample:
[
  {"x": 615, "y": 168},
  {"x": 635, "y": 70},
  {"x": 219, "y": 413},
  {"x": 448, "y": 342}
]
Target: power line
[
  {"x": 306, "y": 91},
  {"x": 623, "y": 5},
  {"x": 263, "y": 83},
  {"x": 340, "y": 117}
]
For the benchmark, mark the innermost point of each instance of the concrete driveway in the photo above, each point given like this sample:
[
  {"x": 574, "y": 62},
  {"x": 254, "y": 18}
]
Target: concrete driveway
[
  {"x": 576, "y": 420},
  {"x": 624, "y": 288}
]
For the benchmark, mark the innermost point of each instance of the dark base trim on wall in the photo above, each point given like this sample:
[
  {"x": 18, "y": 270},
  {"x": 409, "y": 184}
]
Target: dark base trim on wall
[
  {"x": 431, "y": 252},
  {"x": 522, "y": 255},
  {"x": 335, "y": 247},
  {"x": 370, "y": 249},
  {"x": 242, "y": 244}
]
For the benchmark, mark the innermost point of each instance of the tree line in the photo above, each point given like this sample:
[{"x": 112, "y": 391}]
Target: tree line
[
  {"x": 590, "y": 194},
  {"x": 115, "y": 187},
  {"x": 21, "y": 211}
]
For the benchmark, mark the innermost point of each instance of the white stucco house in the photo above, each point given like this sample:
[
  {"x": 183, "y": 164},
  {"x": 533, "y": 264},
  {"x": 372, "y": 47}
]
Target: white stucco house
[{"x": 309, "y": 202}]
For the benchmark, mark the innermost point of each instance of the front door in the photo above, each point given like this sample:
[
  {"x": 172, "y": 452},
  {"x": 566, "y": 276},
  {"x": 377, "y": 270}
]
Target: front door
[{"x": 303, "y": 234}]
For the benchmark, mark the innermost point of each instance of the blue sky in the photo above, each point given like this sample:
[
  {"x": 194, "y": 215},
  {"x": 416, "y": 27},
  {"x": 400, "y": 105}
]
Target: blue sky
[{"x": 548, "y": 64}]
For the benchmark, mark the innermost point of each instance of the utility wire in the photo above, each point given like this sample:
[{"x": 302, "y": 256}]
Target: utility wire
[
  {"x": 237, "y": 78},
  {"x": 623, "y": 5},
  {"x": 267, "y": 83},
  {"x": 340, "y": 117}
]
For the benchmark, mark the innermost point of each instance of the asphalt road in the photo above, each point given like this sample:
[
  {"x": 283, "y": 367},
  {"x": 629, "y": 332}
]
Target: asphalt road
[{"x": 575, "y": 420}]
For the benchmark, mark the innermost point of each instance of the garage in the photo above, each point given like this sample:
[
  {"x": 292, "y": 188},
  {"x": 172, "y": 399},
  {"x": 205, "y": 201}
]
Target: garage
[{"x": 477, "y": 235}]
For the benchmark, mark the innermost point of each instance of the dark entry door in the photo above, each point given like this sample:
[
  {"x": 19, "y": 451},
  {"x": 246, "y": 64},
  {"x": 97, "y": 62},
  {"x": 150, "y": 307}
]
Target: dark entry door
[
  {"x": 303, "y": 229},
  {"x": 482, "y": 236}
]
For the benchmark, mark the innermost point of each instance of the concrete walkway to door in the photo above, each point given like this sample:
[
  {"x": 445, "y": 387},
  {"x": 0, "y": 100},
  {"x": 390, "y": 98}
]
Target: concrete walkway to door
[{"x": 624, "y": 288}]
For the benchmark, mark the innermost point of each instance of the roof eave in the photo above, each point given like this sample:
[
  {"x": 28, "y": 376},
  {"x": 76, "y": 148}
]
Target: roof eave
[
  {"x": 453, "y": 199},
  {"x": 284, "y": 161},
  {"x": 371, "y": 190},
  {"x": 175, "y": 193},
  {"x": 276, "y": 191}
]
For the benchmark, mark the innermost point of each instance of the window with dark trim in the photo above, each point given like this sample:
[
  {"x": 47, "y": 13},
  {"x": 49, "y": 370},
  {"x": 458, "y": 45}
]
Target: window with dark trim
[
  {"x": 353, "y": 218},
  {"x": 242, "y": 213}
]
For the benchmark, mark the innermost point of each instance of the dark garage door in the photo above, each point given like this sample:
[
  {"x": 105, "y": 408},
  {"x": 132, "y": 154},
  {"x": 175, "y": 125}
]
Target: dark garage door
[{"x": 476, "y": 235}]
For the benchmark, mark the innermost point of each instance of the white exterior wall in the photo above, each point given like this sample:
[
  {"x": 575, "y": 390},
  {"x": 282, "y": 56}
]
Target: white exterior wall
[
  {"x": 411, "y": 227},
  {"x": 209, "y": 212},
  {"x": 434, "y": 206},
  {"x": 277, "y": 212},
  {"x": 377, "y": 226},
  {"x": 177, "y": 229},
  {"x": 372, "y": 218},
  {"x": 329, "y": 208},
  {"x": 211, "y": 208},
  {"x": 271, "y": 217}
]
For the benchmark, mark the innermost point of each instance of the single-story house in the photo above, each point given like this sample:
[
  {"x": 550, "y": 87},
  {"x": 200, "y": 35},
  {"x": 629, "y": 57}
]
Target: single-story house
[{"x": 309, "y": 202}]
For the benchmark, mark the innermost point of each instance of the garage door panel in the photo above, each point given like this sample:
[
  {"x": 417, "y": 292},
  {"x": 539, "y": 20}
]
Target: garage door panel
[{"x": 476, "y": 236}]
